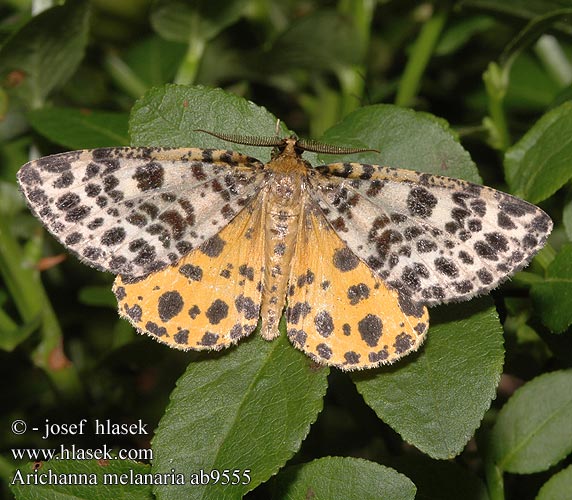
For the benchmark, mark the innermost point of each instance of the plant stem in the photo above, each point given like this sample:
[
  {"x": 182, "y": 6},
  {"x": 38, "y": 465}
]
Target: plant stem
[
  {"x": 41, "y": 5},
  {"x": 352, "y": 78},
  {"x": 496, "y": 84},
  {"x": 419, "y": 57},
  {"x": 554, "y": 59},
  {"x": 31, "y": 300},
  {"x": 124, "y": 76},
  {"x": 21, "y": 280},
  {"x": 189, "y": 67}
]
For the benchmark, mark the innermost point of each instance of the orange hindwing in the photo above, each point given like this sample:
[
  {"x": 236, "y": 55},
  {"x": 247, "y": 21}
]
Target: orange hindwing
[
  {"x": 210, "y": 298},
  {"x": 339, "y": 312}
]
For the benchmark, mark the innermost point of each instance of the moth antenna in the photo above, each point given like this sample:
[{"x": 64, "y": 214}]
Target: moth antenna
[
  {"x": 247, "y": 140},
  {"x": 272, "y": 142},
  {"x": 317, "y": 147}
]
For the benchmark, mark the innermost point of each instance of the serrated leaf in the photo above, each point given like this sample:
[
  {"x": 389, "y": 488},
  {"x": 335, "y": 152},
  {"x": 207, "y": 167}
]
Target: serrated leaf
[
  {"x": 179, "y": 21},
  {"x": 533, "y": 430},
  {"x": 169, "y": 116},
  {"x": 91, "y": 471},
  {"x": 81, "y": 129},
  {"x": 437, "y": 397},
  {"x": 539, "y": 164},
  {"x": 441, "y": 480},
  {"x": 558, "y": 487},
  {"x": 347, "y": 478},
  {"x": 248, "y": 408},
  {"x": 403, "y": 137},
  {"x": 553, "y": 296},
  {"x": 45, "y": 52}
]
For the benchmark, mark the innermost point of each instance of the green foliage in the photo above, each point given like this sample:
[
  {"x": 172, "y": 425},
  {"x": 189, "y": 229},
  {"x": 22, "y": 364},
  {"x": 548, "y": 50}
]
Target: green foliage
[
  {"x": 171, "y": 115},
  {"x": 333, "y": 71},
  {"x": 336, "y": 477},
  {"x": 404, "y": 139},
  {"x": 552, "y": 297},
  {"x": 441, "y": 479},
  {"x": 39, "y": 58},
  {"x": 539, "y": 164},
  {"x": 248, "y": 409},
  {"x": 438, "y": 400},
  {"x": 96, "y": 486},
  {"x": 558, "y": 487},
  {"x": 534, "y": 429},
  {"x": 77, "y": 129}
]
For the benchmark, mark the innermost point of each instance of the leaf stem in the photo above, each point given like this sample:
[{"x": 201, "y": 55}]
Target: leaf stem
[{"x": 495, "y": 481}]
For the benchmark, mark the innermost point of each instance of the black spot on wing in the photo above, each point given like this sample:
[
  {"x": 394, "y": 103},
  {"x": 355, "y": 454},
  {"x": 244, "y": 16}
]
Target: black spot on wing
[
  {"x": 170, "y": 304},
  {"x": 345, "y": 260},
  {"x": 370, "y": 329}
]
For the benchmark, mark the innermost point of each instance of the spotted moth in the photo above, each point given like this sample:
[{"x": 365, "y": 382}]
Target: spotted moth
[{"x": 206, "y": 242}]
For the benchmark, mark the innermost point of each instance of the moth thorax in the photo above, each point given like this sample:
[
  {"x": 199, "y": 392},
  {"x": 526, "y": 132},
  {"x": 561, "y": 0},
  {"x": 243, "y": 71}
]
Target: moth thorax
[{"x": 286, "y": 193}]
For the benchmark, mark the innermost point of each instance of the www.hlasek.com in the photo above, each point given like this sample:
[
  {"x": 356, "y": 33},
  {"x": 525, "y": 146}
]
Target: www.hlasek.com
[{"x": 74, "y": 452}]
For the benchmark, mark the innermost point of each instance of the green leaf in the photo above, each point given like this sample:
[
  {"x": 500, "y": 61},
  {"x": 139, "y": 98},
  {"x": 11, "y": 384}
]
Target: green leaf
[
  {"x": 337, "y": 477},
  {"x": 534, "y": 429},
  {"x": 458, "y": 33},
  {"x": 169, "y": 116},
  {"x": 539, "y": 164},
  {"x": 437, "y": 397},
  {"x": 95, "y": 475},
  {"x": 11, "y": 201},
  {"x": 405, "y": 139},
  {"x": 553, "y": 296},
  {"x": 564, "y": 95},
  {"x": 81, "y": 129},
  {"x": 45, "y": 52},
  {"x": 179, "y": 21},
  {"x": 558, "y": 487},
  {"x": 567, "y": 215},
  {"x": 324, "y": 40},
  {"x": 441, "y": 480},
  {"x": 155, "y": 60},
  {"x": 246, "y": 409},
  {"x": 98, "y": 296},
  {"x": 530, "y": 87}
]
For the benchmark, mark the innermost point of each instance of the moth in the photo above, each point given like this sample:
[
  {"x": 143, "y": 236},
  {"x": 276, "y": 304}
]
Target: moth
[{"x": 207, "y": 243}]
